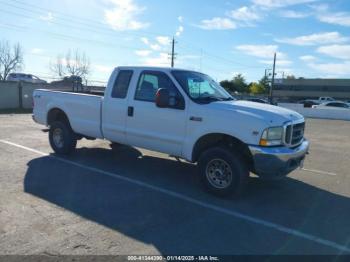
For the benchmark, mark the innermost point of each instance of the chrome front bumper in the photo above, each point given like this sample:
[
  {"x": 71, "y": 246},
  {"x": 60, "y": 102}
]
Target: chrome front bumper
[{"x": 275, "y": 162}]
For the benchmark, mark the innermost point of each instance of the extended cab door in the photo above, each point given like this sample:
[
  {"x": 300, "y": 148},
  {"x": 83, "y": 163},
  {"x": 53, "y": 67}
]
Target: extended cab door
[
  {"x": 115, "y": 104},
  {"x": 151, "y": 127}
]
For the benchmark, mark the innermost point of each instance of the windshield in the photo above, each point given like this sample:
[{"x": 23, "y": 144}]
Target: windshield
[{"x": 200, "y": 87}]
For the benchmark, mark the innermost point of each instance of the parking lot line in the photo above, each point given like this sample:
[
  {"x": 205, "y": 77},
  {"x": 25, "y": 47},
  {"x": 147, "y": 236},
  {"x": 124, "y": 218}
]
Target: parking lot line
[
  {"x": 319, "y": 172},
  {"x": 176, "y": 195}
]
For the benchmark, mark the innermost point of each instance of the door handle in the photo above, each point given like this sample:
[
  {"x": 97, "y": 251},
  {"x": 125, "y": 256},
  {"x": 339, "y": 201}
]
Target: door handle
[
  {"x": 131, "y": 111},
  {"x": 195, "y": 118}
]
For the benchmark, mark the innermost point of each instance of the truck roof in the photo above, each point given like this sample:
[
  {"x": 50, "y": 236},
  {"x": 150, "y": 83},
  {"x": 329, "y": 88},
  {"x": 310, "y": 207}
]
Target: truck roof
[{"x": 154, "y": 68}]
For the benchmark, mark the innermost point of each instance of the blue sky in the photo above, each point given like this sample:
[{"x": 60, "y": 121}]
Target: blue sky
[{"x": 221, "y": 38}]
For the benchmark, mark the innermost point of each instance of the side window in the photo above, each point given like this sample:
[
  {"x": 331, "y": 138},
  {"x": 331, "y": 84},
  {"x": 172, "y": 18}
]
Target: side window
[
  {"x": 333, "y": 104},
  {"x": 150, "y": 82},
  {"x": 121, "y": 84}
]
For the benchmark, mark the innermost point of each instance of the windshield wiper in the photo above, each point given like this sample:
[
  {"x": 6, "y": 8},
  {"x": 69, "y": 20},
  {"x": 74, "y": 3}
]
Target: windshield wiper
[
  {"x": 208, "y": 99},
  {"x": 228, "y": 99}
]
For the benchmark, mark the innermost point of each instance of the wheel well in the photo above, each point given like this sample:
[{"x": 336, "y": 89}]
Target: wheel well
[
  {"x": 217, "y": 139},
  {"x": 57, "y": 114}
]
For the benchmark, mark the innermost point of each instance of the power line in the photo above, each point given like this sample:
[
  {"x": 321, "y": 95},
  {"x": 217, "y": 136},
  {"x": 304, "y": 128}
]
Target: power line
[
  {"x": 69, "y": 37},
  {"x": 71, "y": 21},
  {"x": 60, "y": 24},
  {"x": 214, "y": 56},
  {"x": 232, "y": 64},
  {"x": 91, "y": 24}
]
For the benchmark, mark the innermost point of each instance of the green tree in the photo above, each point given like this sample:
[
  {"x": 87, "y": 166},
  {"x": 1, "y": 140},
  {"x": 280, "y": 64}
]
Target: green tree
[
  {"x": 239, "y": 84},
  {"x": 264, "y": 81},
  {"x": 256, "y": 88},
  {"x": 227, "y": 85}
]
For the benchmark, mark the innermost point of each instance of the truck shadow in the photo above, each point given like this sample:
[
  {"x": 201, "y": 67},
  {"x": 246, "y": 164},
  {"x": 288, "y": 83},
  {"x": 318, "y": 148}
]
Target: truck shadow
[{"x": 158, "y": 219}]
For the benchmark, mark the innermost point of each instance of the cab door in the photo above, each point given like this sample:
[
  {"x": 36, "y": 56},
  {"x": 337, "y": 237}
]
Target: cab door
[
  {"x": 151, "y": 127},
  {"x": 115, "y": 106}
]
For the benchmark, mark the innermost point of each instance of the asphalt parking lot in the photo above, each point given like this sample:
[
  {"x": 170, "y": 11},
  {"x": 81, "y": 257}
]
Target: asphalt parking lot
[{"x": 132, "y": 201}]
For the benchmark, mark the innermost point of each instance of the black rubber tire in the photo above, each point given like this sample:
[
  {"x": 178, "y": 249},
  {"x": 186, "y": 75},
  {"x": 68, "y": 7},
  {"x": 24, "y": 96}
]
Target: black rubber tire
[
  {"x": 240, "y": 172},
  {"x": 69, "y": 138},
  {"x": 115, "y": 146}
]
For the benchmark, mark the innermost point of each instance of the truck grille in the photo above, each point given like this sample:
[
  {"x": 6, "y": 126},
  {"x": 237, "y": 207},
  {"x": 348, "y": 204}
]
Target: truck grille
[{"x": 295, "y": 134}]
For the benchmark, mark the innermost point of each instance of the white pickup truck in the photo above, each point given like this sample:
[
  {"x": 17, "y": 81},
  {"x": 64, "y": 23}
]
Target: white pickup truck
[{"x": 184, "y": 114}]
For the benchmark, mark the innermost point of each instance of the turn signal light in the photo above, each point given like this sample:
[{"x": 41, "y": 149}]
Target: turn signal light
[{"x": 263, "y": 142}]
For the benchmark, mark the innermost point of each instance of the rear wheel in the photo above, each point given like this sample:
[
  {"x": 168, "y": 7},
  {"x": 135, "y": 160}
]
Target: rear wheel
[
  {"x": 115, "y": 146},
  {"x": 62, "y": 138},
  {"x": 222, "y": 171}
]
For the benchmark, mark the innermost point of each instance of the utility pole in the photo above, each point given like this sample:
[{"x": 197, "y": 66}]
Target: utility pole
[
  {"x": 266, "y": 72},
  {"x": 273, "y": 79},
  {"x": 173, "y": 52}
]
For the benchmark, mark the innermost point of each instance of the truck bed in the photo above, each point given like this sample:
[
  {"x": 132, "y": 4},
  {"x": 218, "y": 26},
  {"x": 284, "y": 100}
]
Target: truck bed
[
  {"x": 82, "y": 109},
  {"x": 87, "y": 92}
]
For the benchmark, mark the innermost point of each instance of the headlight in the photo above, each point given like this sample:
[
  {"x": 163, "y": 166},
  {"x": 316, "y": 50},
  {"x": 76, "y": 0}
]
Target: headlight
[{"x": 272, "y": 136}]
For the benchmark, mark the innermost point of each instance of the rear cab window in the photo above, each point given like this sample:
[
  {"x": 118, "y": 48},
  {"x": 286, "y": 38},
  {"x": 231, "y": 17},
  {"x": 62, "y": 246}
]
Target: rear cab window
[{"x": 121, "y": 84}]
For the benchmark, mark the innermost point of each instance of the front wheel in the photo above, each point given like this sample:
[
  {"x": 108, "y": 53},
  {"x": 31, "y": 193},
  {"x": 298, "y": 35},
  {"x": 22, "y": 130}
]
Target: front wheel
[
  {"x": 62, "y": 138},
  {"x": 222, "y": 171},
  {"x": 115, "y": 146}
]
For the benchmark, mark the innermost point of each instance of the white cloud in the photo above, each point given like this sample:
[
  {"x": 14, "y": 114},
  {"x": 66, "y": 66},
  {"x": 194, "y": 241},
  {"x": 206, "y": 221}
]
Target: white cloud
[
  {"x": 155, "y": 47},
  {"x": 336, "y": 51},
  {"x": 180, "y": 19},
  {"x": 161, "y": 60},
  {"x": 186, "y": 57},
  {"x": 319, "y": 8},
  {"x": 179, "y": 31},
  {"x": 48, "y": 17},
  {"x": 280, "y": 3},
  {"x": 325, "y": 15},
  {"x": 315, "y": 39},
  {"x": 261, "y": 51},
  {"x": 103, "y": 68},
  {"x": 145, "y": 40},
  {"x": 307, "y": 58},
  {"x": 124, "y": 15},
  {"x": 337, "y": 69},
  {"x": 37, "y": 51},
  {"x": 217, "y": 23},
  {"x": 340, "y": 18},
  {"x": 245, "y": 14},
  {"x": 143, "y": 53},
  {"x": 163, "y": 40},
  {"x": 293, "y": 14},
  {"x": 278, "y": 62},
  {"x": 160, "y": 43}
]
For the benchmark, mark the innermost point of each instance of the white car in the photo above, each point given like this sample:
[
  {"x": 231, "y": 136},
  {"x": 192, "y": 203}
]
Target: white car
[
  {"x": 333, "y": 104},
  {"x": 25, "y": 78},
  {"x": 181, "y": 113}
]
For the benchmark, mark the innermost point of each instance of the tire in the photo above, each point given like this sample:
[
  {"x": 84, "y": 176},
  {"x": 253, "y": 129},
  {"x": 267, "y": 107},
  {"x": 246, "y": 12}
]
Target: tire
[
  {"x": 115, "y": 146},
  {"x": 223, "y": 172},
  {"x": 62, "y": 138}
]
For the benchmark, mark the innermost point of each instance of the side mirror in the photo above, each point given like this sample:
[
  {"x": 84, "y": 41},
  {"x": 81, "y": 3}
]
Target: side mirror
[{"x": 162, "y": 98}]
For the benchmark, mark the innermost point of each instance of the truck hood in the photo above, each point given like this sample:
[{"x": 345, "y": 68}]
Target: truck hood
[{"x": 273, "y": 115}]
